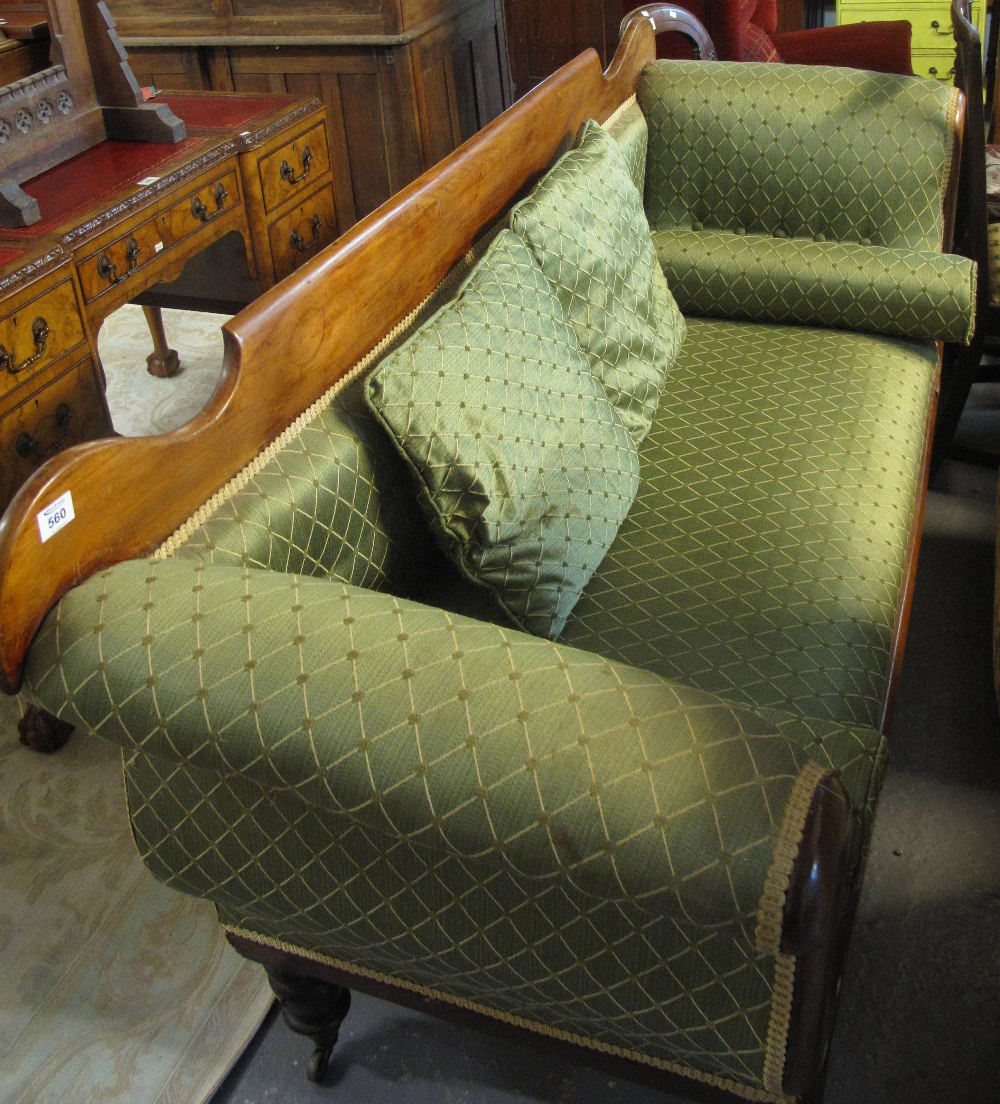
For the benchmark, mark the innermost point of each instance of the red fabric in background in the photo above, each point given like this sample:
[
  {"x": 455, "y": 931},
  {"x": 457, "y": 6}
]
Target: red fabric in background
[{"x": 883, "y": 46}]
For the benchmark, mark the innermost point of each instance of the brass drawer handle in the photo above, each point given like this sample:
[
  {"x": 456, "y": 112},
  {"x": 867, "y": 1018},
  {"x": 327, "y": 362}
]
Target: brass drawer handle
[
  {"x": 932, "y": 72},
  {"x": 28, "y": 446},
  {"x": 108, "y": 270},
  {"x": 296, "y": 240},
  {"x": 40, "y": 332},
  {"x": 288, "y": 173},
  {"x": 200, "y": 211},
  {"x": 936, "y": 28}
]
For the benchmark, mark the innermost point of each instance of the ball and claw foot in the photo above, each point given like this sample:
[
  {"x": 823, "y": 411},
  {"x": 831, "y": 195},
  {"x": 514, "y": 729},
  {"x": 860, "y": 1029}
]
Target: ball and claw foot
[{"x": 163, "y": 367}]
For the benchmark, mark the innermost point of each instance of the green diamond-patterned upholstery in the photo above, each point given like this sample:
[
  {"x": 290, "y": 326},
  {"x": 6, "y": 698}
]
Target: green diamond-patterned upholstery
[
  {"x": 333, "y": 500},
  {"x": 585, "y": 226},
  {"x": 338, "y": 738},
  {"x": 463, "y": 737},
  {"x": 462, "y": 806},
  {"x": 799, "y": 151},
  {"x": 764, "y": 557},
  {"x": 628, "y": 128},
  {"x": 522, "y": 465},
  {"x": 904, "y": 292}
]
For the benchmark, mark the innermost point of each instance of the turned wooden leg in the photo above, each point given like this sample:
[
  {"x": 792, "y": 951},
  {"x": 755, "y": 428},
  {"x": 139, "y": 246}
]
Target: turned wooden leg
[
  {"x": 162, "y": 361},
  {"x": 41, "y": 731},
  {"x": 313, "y": 1008}
]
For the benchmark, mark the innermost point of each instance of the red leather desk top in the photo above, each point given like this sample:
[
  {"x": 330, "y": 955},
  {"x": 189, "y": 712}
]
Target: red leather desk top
[
  {"x": 219, "y": 110},
  {"x": 93, "y": 178}
]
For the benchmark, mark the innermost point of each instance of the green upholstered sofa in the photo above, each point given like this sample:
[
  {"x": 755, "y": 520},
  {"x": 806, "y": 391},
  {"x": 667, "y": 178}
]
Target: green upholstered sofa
[{"x": 639, "y": 827}]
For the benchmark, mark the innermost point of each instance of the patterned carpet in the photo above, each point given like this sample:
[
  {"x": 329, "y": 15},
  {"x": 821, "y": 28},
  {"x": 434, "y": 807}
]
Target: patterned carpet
[{"x": 116, "y": 989}]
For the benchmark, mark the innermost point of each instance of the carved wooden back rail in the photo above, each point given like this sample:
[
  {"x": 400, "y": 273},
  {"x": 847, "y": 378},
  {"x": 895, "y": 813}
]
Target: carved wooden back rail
[{"x": 287, "y": 348}]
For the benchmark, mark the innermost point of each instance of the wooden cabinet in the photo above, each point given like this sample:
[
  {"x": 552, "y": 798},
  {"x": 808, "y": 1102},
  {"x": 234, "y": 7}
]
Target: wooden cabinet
[
  {"x": 51, "y": 389},
  {"x": 544, "y": 34},
  {"x": 403, "y": 81},
  {"x": 119, "y": 218},
  {"x": 933, "y": 43}
]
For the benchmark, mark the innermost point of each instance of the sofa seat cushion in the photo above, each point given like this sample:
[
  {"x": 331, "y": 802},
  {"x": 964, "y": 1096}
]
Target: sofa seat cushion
[
  {"x": 521, "y": 464},
  {"x": 764, "y": 556},
  {"x": 585, "y": 226}
]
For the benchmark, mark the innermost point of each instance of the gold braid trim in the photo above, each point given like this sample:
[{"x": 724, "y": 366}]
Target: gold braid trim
[
  {"x": 242, "y": 478},
  {"x": 619, "y": 111},
  {"x": 770, "y": 912},
  {"x": 781, "y": 1015},
  {"x": 771, "y": 906},
  {"x": 747, "y": 1092}
]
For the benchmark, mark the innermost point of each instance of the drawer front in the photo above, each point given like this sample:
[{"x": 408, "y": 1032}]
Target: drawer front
[
  {"x": 292, "y": 170},
  {"x": 38, "y": 333},
  {"x": 302, "y": 232},
  {"x": 68, "y": 406},
  {"x": 940, "y": 66},
  {"x": 187, "y": 225},
  {"x": 931, "y": 23}
]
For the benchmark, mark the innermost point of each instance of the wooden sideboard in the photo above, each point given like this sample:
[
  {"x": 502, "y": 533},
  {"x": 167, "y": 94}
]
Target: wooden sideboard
[
  {"x": 122, "y": 216},
  {"x": 403, "y": 81}
]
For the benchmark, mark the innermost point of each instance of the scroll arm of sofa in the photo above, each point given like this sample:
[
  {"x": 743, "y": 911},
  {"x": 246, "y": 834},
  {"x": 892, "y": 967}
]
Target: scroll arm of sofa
[{"x": 463, "y": 737}]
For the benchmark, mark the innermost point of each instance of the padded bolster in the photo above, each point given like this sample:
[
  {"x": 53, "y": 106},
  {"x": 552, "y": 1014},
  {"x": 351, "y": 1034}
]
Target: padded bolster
[
  {"x": 458, "y": 734},
  {"x": 899, "y": 292}
]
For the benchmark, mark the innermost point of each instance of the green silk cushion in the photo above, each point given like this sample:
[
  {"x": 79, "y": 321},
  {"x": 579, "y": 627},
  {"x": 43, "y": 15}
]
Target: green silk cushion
[
  {"x": 585, "y": 225},
  {"x": 523, "y": 467}
]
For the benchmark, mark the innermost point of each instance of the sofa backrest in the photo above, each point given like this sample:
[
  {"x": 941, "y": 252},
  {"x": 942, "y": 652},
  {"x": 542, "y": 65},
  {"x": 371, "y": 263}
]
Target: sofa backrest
[
  {"x": 331, "y": 496},
  {"x": 823, "y": 153}
]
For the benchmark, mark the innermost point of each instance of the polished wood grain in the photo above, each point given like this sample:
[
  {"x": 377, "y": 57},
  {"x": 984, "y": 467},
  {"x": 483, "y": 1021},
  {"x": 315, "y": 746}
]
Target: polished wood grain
[
  {"x": 37, "y": 326},
  {"x": 284, "y": 350},
  {"x": 544, "y": 34}
]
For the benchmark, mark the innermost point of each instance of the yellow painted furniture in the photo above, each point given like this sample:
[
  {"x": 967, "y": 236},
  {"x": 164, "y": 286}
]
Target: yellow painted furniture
[{"x": 933, "y": 44}]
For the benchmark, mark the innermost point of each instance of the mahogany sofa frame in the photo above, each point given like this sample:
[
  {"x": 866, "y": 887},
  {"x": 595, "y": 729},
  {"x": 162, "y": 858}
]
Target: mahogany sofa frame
[{"x": 283, "y": 352}]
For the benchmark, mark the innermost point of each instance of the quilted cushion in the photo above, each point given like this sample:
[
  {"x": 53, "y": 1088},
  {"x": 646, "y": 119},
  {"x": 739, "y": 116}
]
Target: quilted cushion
[
  {"x": 585, "y": 225},
  {"x": 523, "y": 467}
]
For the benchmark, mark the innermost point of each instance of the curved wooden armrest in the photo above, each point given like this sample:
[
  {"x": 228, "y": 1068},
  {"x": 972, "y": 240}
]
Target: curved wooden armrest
[
  {"x": 814, "y": 930},
  {"x": 665, "y": 17}
]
